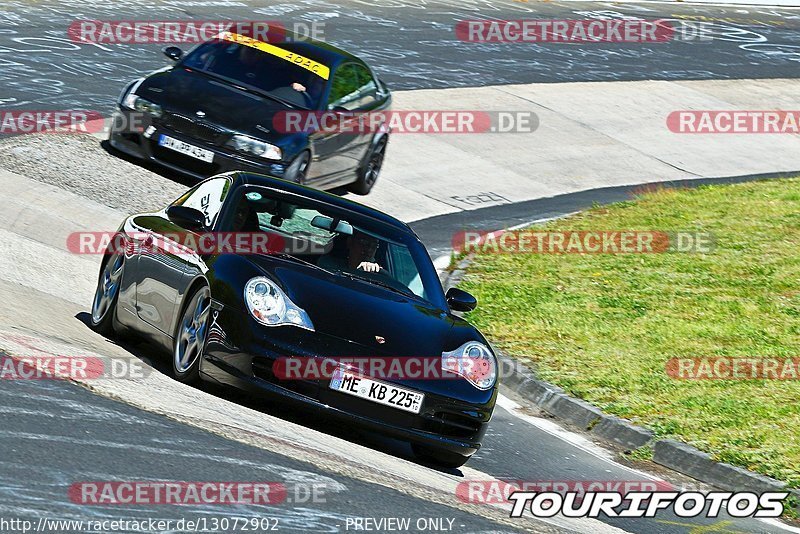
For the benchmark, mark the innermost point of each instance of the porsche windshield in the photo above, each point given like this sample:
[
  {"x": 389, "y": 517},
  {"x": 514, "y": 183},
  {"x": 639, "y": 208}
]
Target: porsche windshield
[
  {"x": 259, "y": 70},
  {"x": 337, "y": 245}
]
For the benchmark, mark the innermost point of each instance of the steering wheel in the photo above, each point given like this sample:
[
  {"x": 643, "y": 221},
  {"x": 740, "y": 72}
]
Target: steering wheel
[{"x": 308, "y": 100}]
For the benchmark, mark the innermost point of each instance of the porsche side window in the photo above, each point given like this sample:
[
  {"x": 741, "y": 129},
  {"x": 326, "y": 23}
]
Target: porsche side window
[
  {"x": 404, "y": 270},
  {"x": 206, "y": 197}
]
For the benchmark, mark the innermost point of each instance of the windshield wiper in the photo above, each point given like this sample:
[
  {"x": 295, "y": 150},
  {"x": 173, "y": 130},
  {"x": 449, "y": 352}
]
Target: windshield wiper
[
  {"x": 267, "y": 94},
  {"x": 246, "y": 88},
  {"x": 376, "y": 282},
  {"x": 285, "y": 256}
]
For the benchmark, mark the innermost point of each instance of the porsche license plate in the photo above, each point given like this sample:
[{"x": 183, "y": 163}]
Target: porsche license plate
[
  {"x": 185, "y": 148},
  {"x": 376, "y": 391}
]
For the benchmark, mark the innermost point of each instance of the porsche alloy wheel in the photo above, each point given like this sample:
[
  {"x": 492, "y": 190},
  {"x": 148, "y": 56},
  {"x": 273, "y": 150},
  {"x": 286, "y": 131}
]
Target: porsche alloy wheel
[
  {"x": 191, "y": 336},
  {"x": 105, "y": 296}
]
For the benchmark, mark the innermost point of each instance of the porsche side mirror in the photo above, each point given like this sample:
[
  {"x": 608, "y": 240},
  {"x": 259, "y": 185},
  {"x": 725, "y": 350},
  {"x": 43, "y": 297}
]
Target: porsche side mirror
[
  {"x": 173, "y": 52},
  {"x": 187, "y": 217},
  {"x": 460, "y": 300}
]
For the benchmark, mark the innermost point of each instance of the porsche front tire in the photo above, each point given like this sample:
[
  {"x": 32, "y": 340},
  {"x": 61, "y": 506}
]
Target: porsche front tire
[{"x": 190, "y": 336}]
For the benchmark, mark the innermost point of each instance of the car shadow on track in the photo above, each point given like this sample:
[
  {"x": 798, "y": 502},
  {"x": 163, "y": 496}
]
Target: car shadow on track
[
  {"x": 169, "y": 174},
  {"x": 155, "y": 357}
]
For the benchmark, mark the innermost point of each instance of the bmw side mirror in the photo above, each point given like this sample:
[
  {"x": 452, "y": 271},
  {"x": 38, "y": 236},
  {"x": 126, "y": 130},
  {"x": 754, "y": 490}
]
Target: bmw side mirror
[
  {"x": 187, "y": 217},
  {"x": 173, "y": 52},
  {"x": 460, "y": 300},
  {"x": 383, "y": 91}
]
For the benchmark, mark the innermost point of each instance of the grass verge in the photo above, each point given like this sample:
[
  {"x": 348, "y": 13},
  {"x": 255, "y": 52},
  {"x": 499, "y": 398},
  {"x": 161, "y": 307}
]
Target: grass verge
[{"x": 603, "y": 326}]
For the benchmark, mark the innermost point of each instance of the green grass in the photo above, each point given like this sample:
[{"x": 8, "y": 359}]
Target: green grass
[{"x": 602, "y": 326}]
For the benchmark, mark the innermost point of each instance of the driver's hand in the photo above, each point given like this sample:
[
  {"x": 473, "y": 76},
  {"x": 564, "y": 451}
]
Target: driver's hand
[
  {"x": 369, "y": 267},
  {"x": 299, "y": 87}
]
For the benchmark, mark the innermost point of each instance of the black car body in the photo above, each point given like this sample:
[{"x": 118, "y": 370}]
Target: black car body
[
  {"x": 218, "y": 109},
  {"x": 399, "y": 312}
]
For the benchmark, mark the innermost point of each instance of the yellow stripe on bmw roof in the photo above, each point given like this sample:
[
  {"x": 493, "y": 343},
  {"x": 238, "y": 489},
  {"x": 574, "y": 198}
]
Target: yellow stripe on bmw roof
[{"x": 296, "y": 59}]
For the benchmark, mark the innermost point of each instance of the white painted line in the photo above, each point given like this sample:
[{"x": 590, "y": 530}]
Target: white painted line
[
  {"x": 576, "y": 440},
  {"x": 542, "y": 220},
  {"x": 442, "y": 262},
  {"x": 777, "y": 524}
]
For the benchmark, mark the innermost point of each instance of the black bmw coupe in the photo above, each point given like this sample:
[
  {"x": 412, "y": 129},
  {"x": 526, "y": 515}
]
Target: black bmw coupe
[
  {"x": 223, "y": 107},
  {"x": 341, "y": 281}
]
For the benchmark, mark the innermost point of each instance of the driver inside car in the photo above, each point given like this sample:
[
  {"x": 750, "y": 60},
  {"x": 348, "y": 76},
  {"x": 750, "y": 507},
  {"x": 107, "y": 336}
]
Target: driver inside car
[
  {"x": 245, "y": 219},
  {"x": 304, "y": 95},
  {"x": 361, "y": 250}
]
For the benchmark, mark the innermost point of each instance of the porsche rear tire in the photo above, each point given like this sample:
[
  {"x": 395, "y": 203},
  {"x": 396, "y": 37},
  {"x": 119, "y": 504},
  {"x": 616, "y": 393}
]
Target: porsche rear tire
[{"x": 104, "y": 306}]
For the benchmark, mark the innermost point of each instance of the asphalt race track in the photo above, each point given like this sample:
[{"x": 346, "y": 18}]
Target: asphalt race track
[
  {"x": 87, "y": 435},
  {"x": 411, "y": 42},
  {"x": 55, "y": 434}
]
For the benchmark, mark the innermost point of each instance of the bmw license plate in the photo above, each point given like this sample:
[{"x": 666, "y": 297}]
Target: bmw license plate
[
  {"x": 185, "y": 148},
  {"x": 376, "y": 391}
]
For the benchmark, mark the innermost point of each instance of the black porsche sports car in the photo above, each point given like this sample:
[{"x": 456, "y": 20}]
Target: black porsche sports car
[
  {"x": 345, "y": 281},
  {"x": 219, "y": 109}
]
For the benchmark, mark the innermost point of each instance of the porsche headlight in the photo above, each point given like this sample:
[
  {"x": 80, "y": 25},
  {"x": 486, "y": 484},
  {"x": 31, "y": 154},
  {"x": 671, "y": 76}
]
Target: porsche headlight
[
  {"x": 243, "y": 143},
  {"x": 473, "y": 361},
  {"x": 271, "y": 307},
  {"x": 136, "y": 102}
]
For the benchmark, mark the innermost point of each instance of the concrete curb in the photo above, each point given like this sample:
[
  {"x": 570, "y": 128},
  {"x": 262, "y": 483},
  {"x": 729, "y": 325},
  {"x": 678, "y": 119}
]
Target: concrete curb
[
  {"x": 616, "y": 431},
  {"x": 689, "y": 460}
]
